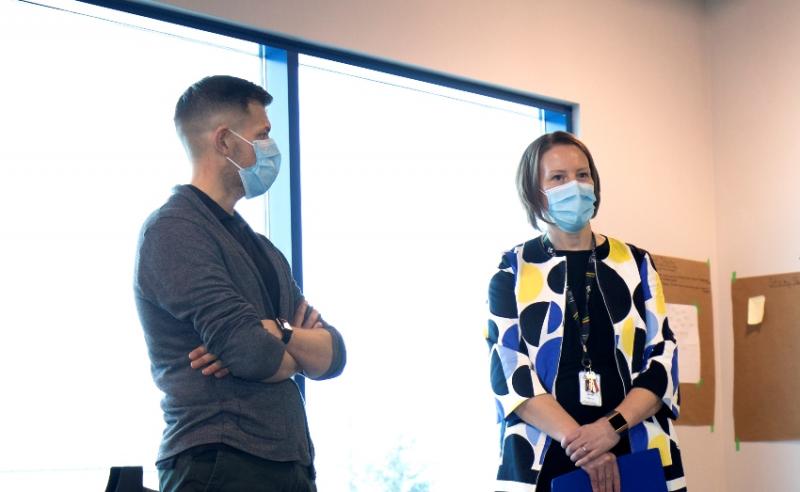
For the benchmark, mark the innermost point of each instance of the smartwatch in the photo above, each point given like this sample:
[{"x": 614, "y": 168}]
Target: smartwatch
[
  {"x": 286, "y": 330},
  {"x": 617, "y": 421}
]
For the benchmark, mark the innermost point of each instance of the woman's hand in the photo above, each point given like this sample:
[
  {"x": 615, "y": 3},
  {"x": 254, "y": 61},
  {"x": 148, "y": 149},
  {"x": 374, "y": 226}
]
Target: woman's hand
[
  {"x": 201, "y": 358},
  {"x": 590, "y": 441},
  {"x": 603, "y": 473}
]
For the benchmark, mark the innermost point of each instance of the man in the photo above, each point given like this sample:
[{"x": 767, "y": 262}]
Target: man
[{"x": 225, "y": 324}]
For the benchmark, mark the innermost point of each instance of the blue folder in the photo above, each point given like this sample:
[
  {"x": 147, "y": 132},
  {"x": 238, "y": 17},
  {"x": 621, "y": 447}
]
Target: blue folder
[{"x": 638, "y": 472}]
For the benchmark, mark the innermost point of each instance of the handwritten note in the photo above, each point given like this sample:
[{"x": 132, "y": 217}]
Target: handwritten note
[{"x": 683, "y": 320}]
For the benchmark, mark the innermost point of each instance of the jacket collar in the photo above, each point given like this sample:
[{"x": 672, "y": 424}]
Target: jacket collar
[{"x": 535, "y": 251}]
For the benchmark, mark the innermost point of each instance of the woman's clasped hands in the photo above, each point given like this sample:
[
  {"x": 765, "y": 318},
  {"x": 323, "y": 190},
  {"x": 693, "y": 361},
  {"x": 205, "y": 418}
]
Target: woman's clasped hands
[{"x": 589, "y": 448}]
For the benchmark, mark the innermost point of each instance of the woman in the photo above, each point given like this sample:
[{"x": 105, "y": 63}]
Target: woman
[{"x": 583, "y": 363}]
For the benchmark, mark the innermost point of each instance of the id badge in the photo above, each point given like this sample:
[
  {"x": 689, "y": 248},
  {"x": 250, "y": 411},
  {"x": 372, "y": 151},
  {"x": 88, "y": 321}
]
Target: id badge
[{"x": 589, "y": 384}]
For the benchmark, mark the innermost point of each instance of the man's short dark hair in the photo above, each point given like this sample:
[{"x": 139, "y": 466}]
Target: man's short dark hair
[
  {"x": 217, "y": 94},
  {"x": 529, "y": 185}
]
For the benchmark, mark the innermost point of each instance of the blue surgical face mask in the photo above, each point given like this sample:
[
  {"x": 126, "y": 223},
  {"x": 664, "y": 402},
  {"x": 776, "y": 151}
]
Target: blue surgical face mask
[
  {"x": 259, "y": 177},
  {"x": 571, "y": 205}
]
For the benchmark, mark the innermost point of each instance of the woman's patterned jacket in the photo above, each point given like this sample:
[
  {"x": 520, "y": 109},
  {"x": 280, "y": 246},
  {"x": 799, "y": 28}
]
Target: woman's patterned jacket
[{"x": 527, "y": 302}]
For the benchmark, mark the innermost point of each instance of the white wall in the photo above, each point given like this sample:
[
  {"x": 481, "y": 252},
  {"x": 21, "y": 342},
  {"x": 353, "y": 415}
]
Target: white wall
[
  {"x": 755, "y": 48},
  {"x": 646, "y": 75}
]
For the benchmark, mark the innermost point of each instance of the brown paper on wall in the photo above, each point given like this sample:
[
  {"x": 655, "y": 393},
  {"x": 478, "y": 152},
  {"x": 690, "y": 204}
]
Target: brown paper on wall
[
  {"x": 766, "y": 359},
  {"x": 689, "y": 282}
]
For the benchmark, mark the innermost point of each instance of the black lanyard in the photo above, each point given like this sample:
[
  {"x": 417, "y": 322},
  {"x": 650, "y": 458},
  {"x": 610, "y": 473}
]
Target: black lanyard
[{"x": 584, "y": 325}]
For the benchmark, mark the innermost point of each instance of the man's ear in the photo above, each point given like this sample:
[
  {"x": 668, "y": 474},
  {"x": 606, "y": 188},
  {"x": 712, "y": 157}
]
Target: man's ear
[{"x": 221, "y": 136}]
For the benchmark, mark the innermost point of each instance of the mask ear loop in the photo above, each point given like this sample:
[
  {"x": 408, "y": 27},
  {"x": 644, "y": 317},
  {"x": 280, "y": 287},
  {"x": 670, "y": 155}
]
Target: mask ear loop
[
  {"x": 234, "y": 163},
  {"x": 234, "y": 132},
  {"x": 231, "y": 160},
  {"x": 545, "y": 213}
]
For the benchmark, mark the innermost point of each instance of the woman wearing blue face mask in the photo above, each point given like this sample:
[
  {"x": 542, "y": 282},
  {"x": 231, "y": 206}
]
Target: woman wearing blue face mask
[{"x": 583, "y": 363}]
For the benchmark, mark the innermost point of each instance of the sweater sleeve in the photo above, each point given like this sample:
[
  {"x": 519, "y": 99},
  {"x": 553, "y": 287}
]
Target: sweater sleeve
[
  {"x": 339, "y": 351},
  {"x": 660, "y": 368},
  {"x": 513, "y": 376},
  {"x": 183, "y": 272},
  {"x": 339, "y": 355}
]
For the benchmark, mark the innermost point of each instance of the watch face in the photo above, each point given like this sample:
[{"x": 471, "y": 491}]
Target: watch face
[
  {"x": 286, "y": 330},
  {"x": 618, "y": 422}
]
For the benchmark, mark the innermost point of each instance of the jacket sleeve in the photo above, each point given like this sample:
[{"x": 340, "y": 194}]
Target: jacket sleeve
[
  {"x": 513, "y": 377},
  {"x": 660, "y": 368},
  {"x": 179, "y": 269}
]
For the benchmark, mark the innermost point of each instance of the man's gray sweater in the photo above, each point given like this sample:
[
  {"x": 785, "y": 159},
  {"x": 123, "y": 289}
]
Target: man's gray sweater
[{"x": 194, "y": 284}]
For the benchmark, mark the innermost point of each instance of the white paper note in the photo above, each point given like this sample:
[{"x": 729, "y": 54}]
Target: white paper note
[
  {"x": 683, "y": 320},
  {"x": 755, "y": 310}
]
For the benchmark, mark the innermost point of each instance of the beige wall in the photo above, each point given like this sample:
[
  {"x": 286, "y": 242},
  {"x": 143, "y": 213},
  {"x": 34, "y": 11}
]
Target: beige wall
[
  {"x": 755, "y": 54},
  {"x": 652, "y": 78},
  {"x": 637, "y": 69}
]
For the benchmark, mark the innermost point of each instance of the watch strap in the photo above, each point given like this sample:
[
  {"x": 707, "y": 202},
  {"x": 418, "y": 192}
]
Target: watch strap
[{"x": 286, "y": 330}]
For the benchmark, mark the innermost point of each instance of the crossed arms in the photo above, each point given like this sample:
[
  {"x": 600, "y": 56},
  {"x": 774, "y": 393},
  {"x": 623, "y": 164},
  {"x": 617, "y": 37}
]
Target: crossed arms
[
  {"x": 183, "y": 277},
  {"x": 310, "y": 351}
]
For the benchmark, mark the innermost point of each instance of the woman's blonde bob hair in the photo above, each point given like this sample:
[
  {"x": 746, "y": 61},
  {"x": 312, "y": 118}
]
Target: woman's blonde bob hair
[{"x": 529, "y": 184}]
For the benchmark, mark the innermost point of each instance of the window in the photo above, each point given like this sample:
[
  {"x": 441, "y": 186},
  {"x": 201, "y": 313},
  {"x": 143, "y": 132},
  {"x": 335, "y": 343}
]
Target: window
[
  {"x": 89, "y": 151},
  {"x": 408, "y": 200},
  {"x": 398, "y": 200}
]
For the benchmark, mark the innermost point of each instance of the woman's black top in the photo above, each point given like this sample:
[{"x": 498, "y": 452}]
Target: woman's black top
[{"x": 602, "y": 350}]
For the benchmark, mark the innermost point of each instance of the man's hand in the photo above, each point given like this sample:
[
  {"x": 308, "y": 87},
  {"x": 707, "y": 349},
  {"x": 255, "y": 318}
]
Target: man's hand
[
  {"x": 208, "y": 363},
  {"x": 306, "y": 317},
  {"x": 590, "y": 441},
  {"x": 311, "y": 344},
  {"x": 603, "y": 473}
]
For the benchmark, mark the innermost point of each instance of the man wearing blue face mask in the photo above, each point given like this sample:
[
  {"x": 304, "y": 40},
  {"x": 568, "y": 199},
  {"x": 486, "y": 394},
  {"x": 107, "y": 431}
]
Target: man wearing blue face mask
[
  {"x": 225, "y": 324},
  {"x": 583, "y": 363}
]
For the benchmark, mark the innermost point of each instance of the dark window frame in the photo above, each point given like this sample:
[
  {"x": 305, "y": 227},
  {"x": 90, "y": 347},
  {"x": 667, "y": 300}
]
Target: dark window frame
[{"x": 557, "y": 115}]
